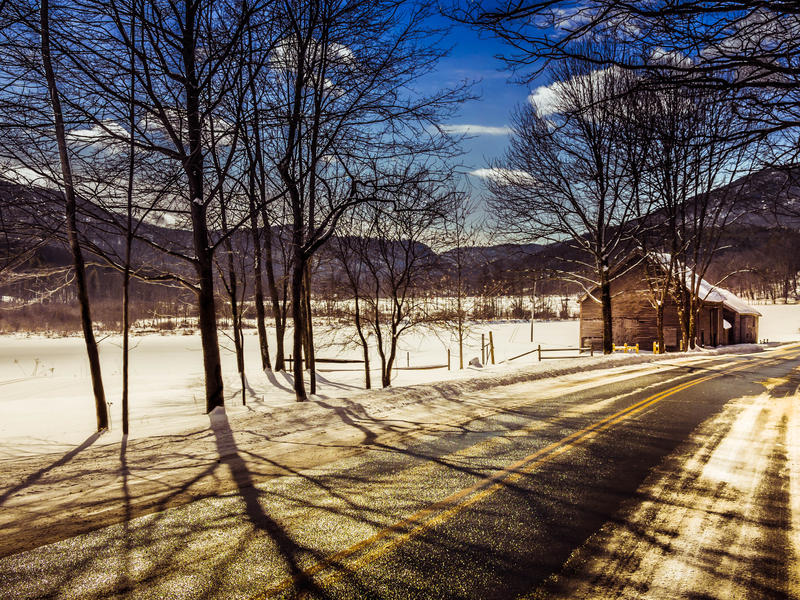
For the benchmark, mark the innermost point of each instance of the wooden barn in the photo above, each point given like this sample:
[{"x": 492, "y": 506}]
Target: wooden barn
[{"x": 724, "y": 317}]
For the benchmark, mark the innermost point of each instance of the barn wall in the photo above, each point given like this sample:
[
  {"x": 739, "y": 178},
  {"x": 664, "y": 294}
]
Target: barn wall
[
  {"x": 731, "y": 336},
  {"x": 634, "y": 318},
  {"x": 748, "y": 329},
  {"x": 709, "y": 325}
]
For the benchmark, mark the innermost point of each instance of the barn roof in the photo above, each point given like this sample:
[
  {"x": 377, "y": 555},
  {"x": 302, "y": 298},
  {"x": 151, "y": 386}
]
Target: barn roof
[
  {"x": 707, "y": 292},
  {"x": 712, "y": 293}
]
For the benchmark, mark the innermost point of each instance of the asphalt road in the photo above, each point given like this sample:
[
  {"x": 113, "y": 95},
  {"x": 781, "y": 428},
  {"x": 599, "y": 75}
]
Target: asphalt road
[{"x": 521, "y": 504}]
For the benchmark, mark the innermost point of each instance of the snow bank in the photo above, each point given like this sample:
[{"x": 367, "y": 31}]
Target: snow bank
[
  {"x": 53, "y": 412},
  {"x": 47, "y": 407}
]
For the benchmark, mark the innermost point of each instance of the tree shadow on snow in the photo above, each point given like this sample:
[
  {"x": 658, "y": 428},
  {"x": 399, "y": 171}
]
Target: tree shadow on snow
[{"x": 34, "y": 477}]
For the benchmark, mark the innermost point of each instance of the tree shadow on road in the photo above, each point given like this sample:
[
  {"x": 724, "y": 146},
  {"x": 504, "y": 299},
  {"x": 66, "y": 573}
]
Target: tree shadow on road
[{"x": 290, "y": 551}]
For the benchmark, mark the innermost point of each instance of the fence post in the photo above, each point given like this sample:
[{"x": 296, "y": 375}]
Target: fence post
[
  {"x": 637, "y": 348},
  {"x": 591, "y": 349},
  {"x": 483, "y": 347},
  {"x": 539, "y": 351},
  {"x": 448, "y": 359},
  {"x": 408, "y": 360},
  {"x": 491, "y": 346}
]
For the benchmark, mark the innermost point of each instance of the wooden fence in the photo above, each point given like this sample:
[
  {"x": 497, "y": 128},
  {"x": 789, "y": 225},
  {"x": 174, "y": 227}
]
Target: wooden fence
[{"x": 539, "y": 350}]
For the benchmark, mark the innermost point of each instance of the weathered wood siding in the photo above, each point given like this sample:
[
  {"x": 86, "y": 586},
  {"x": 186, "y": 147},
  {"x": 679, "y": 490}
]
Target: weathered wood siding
[
  {"x": 748, "y": 329},
  {"x": 634, "y": 319},
  {"x": 633, "y": 315}
]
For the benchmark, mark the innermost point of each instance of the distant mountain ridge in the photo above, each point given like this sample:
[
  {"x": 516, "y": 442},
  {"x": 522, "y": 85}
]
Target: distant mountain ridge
[{"x": 768, "y": 203}]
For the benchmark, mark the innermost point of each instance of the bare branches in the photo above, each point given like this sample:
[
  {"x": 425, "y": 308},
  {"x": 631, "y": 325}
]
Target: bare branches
[{"x": 749, "y": 46}]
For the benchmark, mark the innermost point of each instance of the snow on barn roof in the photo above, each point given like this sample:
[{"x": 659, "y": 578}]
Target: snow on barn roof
[
  {"x": 709, "y": 292},
  {"x": 728, "y": 299}
]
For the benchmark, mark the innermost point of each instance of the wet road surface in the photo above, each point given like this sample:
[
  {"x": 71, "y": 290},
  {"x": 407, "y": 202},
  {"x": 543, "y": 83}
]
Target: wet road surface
[{"x": 581, "y": 495}]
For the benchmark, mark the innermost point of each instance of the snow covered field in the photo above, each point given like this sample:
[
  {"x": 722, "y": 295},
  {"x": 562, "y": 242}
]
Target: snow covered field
[
  {"x": 779, "y": 323},
  {"x": 46, "y": 401}
]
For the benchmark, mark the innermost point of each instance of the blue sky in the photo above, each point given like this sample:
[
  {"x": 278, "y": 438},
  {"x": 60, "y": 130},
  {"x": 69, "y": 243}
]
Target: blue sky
[{"x": 473, "y": 57}]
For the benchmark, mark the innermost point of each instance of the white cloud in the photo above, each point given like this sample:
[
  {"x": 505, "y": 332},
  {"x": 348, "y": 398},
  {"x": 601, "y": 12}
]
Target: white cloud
[
  {"x": 573, "y": 18},
  {"x": 24, "y": 176},
  {"x": 545, "y": 98},
  {"x": 285, "y": 54},
  {"x": 341, "y": 52},
  {"x": 548, "y": 98},
  {"x": 107, "y": 139},
  {"x": 477, "y": 129},
  {"x": 504, "y": 176},
  {"x": 670, "y": 57},
  {"x": 96, "y": 133}
]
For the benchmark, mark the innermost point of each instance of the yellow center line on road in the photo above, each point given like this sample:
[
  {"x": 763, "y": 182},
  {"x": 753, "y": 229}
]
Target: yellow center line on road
[
  {"x": 782, "y": 351},
  {"x": 441, "y": 511}
]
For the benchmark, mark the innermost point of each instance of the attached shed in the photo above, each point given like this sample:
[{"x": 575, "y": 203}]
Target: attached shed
[
  {"x": 739, "y": 319},
  {"x": 724, "y": 318}
]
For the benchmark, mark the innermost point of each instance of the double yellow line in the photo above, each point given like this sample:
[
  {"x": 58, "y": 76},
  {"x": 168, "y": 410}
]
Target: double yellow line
[{"x": 441, "y": 511}]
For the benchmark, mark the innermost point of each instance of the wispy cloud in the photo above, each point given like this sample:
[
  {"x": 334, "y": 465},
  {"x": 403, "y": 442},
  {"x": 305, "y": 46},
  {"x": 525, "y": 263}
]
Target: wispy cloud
[
  {"x": 476, "y": 129},
  {"x": 504, "y": 176}
]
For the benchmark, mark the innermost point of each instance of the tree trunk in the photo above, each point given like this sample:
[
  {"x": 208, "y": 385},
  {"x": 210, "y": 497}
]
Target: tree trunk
[
  {"x": 277, "y": 309},
  {"x": 236, "y": 317},
  {"x": 299, "y": 326},
  {"x": 126, "y": 279},
  {"x": 207, "y": 311},
  {"x": 193, "y": 166},
  {"x": 263, "y": 343},
  {"x": 311, "y": 363},
  {"x": 364, "y": 346},
  {"x": 376, "y": 324},
  {"x": 387, "y": 374},
  {"x": 386, "y": 379},
  {"x": 692, "y": 333},
  {"x": 70, "y": 206},
  {"x": 126, "y": 274},
  {"x": 605, "y": 310},
  {"x": 460, "y": 318},
  {"x": 258, "y": 163},
  {"x": 660, "y": 327}
]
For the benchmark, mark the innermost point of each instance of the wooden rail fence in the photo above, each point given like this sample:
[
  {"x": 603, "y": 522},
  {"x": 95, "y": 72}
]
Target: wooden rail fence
[{"x": 539, "y": 350}]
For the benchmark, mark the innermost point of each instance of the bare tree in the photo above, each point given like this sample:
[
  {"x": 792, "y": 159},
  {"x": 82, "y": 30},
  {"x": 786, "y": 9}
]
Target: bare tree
[
  {"x": 747, "y": 45},
  {"x": 666, "y": 126},
  {"x": 257, "y": 63},
  {"x": 222, "y": 151},
  {"x": 566, "y": 178},
  {"x": 68, "y": 189},
  {"x": 129, "y": 233},
  {"x": 391, "y": 262},
  {"x": 34, "y": 137},
  {"x": 187, "y": 63},
  {"x": 461, "y": 233},
  {"x": 348, "y": 247},
  {"x": 341, "y": 109},
  {"x": 687, "y": 132}
]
